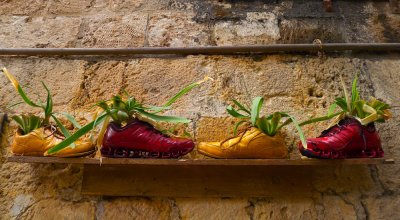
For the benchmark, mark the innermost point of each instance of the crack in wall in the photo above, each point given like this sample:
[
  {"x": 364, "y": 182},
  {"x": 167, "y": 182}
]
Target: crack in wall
[
  {"x": 146, "y": 33},
  {"x": 250, "y": 209},
  {"x": 375, "y": 176},
  {"x": 175, "y": 211},
  {"x": 366, "y": 211}
]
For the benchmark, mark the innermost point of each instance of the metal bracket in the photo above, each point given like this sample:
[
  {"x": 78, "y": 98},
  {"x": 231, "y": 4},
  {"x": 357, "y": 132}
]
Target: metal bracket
[
  {"x": 328, "y": 5},
  {"x": 394, "y": 6}
]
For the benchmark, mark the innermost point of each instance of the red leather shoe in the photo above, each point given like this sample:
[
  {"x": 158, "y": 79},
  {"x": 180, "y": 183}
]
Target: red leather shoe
[
  {"x": 348, "y": 139},
  {"x": 140, "y": 139}
]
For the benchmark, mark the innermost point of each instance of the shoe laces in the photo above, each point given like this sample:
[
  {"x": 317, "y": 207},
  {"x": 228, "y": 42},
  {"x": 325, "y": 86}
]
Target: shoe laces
[
  {"x": 332, "y": 131},
  {"x": 342, "y": 125},
  {"x": 54, "y": 131},
  {"x": 153, "y": 129}
]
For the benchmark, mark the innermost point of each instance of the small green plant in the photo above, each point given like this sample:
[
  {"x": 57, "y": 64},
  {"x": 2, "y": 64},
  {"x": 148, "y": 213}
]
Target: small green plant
[
  {"x": 354, "y": 106},
  {"x": 269, "y": 124},
  {"x": 28, "y": 123},
  {"x": 122, "y": 110},
  {"x": 365, "y": 111}
]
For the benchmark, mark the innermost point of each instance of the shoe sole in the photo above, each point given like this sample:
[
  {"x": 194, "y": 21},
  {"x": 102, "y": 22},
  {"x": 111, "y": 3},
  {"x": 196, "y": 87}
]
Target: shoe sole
[
  {"x": 119, "y": 152},
  {"x": 341, "y": 154}
]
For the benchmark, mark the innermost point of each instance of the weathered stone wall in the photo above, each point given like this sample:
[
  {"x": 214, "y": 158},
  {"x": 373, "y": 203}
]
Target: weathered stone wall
[{"x": 301, "y": 84}]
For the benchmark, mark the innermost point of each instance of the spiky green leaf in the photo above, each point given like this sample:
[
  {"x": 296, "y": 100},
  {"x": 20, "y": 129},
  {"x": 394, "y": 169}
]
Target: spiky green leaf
[
  {"x": 79, "y": 133},
  {"x": 298, "y": 128},
  {"x": 155, "y": 117},
  {"x": 64, "y": 130},
  {"x": 71, "y": 119},
  {"x": 49, "y": 102},
  {"x": 237, "y": 126},
  {"x": 234, "y": 113},
  {"x": 354, "y": 92},
  {"x": 255, "y": 109},
  {"x": 241, "y": 106}
]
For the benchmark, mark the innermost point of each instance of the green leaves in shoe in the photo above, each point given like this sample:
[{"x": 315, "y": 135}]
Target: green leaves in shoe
[
  {"x": 256, "y": 108},
  {"x": 155, "y": 117},
  {"x": 264, "y": 126},
  {"x": 235, "y": 129},
  {"x": 156, "y": 109},
  {"x": 358, "y": 108},
  {"x": 124, "y": 110},
  {"x": 79, "y": 133},
  {"x": 18, "y": 88},
  {"x": 341, "y": 102},
  {"x": 365, "y": 112},
  {"x": 49, "y": 101},
  {"x": 64, "y": 130},
  {"x": 318, "y": 119},
  {"x": 269, "y": 124},
  {"x": 241, "y": 106},
  {"x": 347, "y": 100},
  {"x": 377, "y": 104},
  {"x": 298, "y": 128},
  {"x": 71, "y": 119},
  {"x": 276, "y": 118},
  {"x": 234, "y": 113},
  {"x": 355, "y": 96},
  {"x": 184, "y": 91},
  {"x": 27, "y": 123},
  {"x": 332, "y": 108}
]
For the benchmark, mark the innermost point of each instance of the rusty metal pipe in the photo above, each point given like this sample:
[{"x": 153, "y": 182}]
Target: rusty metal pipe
[{"x": 215, "y": 50}]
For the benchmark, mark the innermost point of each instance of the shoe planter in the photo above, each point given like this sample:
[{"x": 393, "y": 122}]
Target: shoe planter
[
  {"x": 347, "y": 139},
  {"x": 139, "y": 139},
  {"x": 251, "y": 144},
  {"x": 37, "y": 142}
]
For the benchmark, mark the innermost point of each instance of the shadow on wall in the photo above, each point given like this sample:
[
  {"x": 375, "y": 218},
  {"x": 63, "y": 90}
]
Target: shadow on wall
[{"x": 225, "y": 181}]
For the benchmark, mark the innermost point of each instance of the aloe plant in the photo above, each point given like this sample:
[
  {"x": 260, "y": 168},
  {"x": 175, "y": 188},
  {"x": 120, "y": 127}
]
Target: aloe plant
[
  {"x": 269, "y": 124},
  {"x": 28, "y": 123},
  {"x": 364, "y": 111},
  {"x": 122, "y": 110},
  {"x": 354, "y": 106}
]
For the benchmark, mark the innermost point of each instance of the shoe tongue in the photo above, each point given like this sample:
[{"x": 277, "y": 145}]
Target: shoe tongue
[{"x": 347, "y": 121}]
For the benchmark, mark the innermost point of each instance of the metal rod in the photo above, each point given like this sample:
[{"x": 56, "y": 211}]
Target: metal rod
[{"x": 264, "y": 49}]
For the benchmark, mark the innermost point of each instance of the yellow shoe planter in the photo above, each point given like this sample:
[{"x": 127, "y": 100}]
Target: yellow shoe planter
[
  {"x": 251, "y": 144},
  {"x": 37, "y": 142}
]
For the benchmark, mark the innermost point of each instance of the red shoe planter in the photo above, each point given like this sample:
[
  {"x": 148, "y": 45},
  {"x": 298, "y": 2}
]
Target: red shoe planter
[
  {"x": 139, "y": 139},
  {"x": 348, "y": 139}
]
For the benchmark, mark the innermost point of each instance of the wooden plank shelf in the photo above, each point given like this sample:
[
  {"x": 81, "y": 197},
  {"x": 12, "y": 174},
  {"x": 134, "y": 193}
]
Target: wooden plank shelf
[
  {"x": 199, "y": 177},
  {"x": 200, "y": 162}
]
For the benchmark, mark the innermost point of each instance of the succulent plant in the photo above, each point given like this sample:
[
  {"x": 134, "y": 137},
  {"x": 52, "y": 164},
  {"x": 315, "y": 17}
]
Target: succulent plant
[
  {"x": 28, "y": 123},
  {"x": 122, "y": 110},
  {"x": 269, "y": 124}
]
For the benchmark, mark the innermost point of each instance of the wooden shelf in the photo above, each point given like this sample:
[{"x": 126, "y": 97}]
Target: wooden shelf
[
  {"x": 198, "y": 177},
  {"x": 199, "y": 162}
]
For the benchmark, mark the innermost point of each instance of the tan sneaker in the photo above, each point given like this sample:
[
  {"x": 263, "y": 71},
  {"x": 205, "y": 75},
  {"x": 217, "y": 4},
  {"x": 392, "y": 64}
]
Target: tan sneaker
[
  {"x": 251, "y": 144},
  {"x": 38, "y": 141}
]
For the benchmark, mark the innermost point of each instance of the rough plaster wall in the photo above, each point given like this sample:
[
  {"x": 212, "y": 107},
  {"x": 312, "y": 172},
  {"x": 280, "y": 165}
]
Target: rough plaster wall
[{"x": 302, "y": 84}]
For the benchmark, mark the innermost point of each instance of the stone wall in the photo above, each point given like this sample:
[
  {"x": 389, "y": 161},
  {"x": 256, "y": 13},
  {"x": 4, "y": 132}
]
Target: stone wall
[{"x": 301, "y": 84}]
